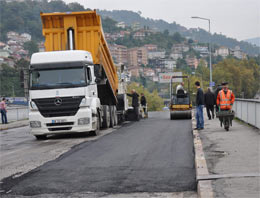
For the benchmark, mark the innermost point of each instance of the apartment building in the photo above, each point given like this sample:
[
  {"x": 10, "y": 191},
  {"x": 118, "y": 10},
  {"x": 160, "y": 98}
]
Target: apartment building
[
  {"x": 192, "y": 62},
  {"x": 222, "y": 51},
  {"x": 137, "y": 56},
  {"x": 119, "y": 53}
]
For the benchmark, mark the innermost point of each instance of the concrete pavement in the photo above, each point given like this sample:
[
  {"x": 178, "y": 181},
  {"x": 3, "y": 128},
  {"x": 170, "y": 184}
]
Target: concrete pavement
[
  {"x": 14, "y": 124},
  {"x": 233, "y": 159}
]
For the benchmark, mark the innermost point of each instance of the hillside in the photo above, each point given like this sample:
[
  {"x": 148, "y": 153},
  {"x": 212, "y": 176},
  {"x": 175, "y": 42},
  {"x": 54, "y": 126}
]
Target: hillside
[
  {"x": 254, "y": 41},
  {"x": 201, "y": 35},
  {"x": 25, "y": 17}
]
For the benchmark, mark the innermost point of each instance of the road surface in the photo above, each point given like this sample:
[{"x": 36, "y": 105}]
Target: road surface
[{"x": 151, "y": 156}]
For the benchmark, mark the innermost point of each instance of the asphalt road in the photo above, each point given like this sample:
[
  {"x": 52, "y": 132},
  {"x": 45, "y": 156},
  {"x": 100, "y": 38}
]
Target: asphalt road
[{"x": 153, "y": 155}]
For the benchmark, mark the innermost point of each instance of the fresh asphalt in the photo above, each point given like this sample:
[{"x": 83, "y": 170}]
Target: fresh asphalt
[{"x": 153, "y": 155}]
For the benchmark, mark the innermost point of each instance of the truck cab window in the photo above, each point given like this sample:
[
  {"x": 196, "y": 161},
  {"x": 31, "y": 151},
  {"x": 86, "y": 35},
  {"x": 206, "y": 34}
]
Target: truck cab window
[
  {"x": 58, "y": 78},
  {"x": 89, "y": 75}
]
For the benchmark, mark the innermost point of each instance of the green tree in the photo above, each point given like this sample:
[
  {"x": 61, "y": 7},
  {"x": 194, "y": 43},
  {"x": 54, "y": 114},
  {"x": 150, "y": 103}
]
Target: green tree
[
  {"x": 242, "y": 76},
  {"x": 10, "y": 82},
  {"x": 177, "y": 37},
  {"x": 154, "y": 101},
  {"x": 31, "y": 46}
]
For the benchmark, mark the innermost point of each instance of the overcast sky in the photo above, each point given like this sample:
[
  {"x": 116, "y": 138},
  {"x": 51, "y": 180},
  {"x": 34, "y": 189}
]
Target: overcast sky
[{"x": 238, "y": 19}]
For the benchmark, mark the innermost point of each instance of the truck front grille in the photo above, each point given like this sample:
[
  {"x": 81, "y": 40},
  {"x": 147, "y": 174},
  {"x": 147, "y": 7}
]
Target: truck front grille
[
  {"x": 60, "y": 129},
  {"x": 59, "y": 124},
  {"x": 57, "y": 107}
]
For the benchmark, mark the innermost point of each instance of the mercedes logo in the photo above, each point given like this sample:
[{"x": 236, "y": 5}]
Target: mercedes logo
[{"x": 58, "y": 101}]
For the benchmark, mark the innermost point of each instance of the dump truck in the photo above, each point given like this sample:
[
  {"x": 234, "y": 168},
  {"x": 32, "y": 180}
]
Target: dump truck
[{"x": 74, "y": 83}]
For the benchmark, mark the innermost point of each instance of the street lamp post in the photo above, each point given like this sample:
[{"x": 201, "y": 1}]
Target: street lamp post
[
  {"x": 210, "y": 62},
  {"x": 1, "y": 82}
]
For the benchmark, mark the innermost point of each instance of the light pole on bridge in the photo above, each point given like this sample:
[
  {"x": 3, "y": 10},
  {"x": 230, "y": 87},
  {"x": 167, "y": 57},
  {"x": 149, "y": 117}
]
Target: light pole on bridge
[{"x": 210, "y": 62}]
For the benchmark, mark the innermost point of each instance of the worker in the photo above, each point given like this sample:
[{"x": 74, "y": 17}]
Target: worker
[
  {"x": 219, "y": 87},
  {"x": 135, "y": 103},
  {"x": 209, "y": 100},
  {"x": 199, "y": 107},
  {"x": 143, "y": 103},
  {"x": 180, "y": 89},
  {"x": 3, "y": 111},
  {"x": 225, "y": 98}
]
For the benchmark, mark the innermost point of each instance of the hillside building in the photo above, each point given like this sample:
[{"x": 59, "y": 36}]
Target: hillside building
[
  {"x": 119, "y": 53},
  {"x": 222, "y": 51},
  {"x": 137, "y": 56}
]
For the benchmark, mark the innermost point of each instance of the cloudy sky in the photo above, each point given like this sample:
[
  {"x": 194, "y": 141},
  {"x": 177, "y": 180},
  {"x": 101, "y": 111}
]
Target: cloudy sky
[{"x": 238, "y": 19}]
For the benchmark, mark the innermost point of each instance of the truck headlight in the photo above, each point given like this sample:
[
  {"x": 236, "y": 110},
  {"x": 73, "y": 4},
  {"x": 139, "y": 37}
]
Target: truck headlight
[
  {"x": 85, "y": 102},
  {"x": 33, "y": 106},
  {"x": 35, "y": 124},
  {"x": 83, "y": 121}
]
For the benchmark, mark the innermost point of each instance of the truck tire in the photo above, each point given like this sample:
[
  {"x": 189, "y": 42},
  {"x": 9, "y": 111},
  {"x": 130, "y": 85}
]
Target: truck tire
[
  {"x": 116, "y": 119},
  {"x": 112, "y": 116},
  {"x": 41, "y": 137},
  {"x": 115, "y": 116},
  {"x": 106, "y": 117},
  {"x": 97, "y": 131}
]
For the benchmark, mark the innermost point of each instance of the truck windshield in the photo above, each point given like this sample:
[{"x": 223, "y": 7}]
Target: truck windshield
[{"x": 58, "y": 78}]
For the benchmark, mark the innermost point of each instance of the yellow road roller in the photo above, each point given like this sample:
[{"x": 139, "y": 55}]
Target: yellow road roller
[{"x": 180, "y": 102}]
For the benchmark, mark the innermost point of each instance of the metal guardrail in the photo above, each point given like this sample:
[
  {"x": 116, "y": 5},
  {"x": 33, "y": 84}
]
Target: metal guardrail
[
  {"x": 17, "y": 113},
  {"x": 248, "y": 110}
]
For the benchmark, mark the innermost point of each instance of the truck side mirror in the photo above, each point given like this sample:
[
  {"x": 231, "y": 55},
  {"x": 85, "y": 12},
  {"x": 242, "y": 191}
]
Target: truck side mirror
[{"x": 98, "y": 71}]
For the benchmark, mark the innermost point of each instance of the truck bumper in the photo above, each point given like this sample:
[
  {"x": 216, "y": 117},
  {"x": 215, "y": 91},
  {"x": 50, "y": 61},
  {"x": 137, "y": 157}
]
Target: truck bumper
[{"x": 81, "y": 122}]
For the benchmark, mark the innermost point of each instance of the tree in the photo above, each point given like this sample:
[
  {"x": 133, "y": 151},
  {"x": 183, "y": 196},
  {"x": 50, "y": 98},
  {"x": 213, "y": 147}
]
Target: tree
[
  {"x": 177, "y": 37},
  {"x": 31, "y": 46},
  {"x": 154, "y": 101},
  {"x": 242, "y": 76},
  {"x": 10, "y": 82}
]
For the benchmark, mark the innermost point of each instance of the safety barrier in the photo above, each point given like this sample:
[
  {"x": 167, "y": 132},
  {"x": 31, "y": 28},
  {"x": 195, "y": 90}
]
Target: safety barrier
[
  {"x": 248, "y": 110},
  {"x": 17, "y": 113}
]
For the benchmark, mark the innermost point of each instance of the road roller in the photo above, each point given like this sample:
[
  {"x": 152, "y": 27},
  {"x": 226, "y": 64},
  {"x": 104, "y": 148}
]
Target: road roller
[{"x": 180, "y": 103}]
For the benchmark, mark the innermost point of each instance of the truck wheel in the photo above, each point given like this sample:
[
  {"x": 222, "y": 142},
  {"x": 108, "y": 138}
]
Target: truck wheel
[
  {"x": 106, "y": 117},
  {"x": 97, "y": 131},
  {"x": 116, "y": 117},
  {"x": 41, "y": 137},
  {"x": 112, "y": 116}
]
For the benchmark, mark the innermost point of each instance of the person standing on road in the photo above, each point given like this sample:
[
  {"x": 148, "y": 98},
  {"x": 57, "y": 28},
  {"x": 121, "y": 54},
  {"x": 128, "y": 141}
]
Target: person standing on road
[
  {"x": 216, "y": 95},
  {"x": 3, "y": 111},
  {"x": 225, "y": 98},
  {"x": 209, "y": 100},
  {"x": 135, "y": 103},
  {"x": 143, "y": 103},
  {"x": 199, "y": 107}
]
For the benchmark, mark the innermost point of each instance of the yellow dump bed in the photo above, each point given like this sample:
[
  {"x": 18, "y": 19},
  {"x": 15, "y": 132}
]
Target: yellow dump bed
[{"x": 88, "y": 35}]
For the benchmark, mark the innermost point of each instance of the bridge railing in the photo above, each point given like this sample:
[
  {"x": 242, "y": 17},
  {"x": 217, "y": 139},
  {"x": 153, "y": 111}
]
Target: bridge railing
[
  {"x": 17, "y": 113},
  {"x": 248, "y": 110}
]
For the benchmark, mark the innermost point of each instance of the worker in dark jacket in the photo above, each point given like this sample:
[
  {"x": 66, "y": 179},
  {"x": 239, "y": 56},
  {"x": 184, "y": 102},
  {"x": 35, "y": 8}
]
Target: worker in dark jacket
[
  {"x": 199, "y": 107},
  {"x": 135, "y": 103},
  {"x": 143, "y": 103},
  {"x": 219, "y": 88},
  {"x": 209, "y": 100}
]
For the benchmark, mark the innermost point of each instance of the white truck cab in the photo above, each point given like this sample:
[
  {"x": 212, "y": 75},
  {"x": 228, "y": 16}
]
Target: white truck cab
[{"x": 63, "y": 93}]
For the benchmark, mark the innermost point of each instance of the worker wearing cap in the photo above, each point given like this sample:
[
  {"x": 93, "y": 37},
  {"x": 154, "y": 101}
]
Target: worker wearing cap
[
  {"x": 225, "y": 98},
  {"x": 135, "y": 103}
]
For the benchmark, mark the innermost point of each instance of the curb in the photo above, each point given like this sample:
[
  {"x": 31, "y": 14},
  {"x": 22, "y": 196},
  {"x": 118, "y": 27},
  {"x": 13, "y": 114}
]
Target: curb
[
  {"x": 204, "y": 188},
  {"x": 14, "y": 125}
]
